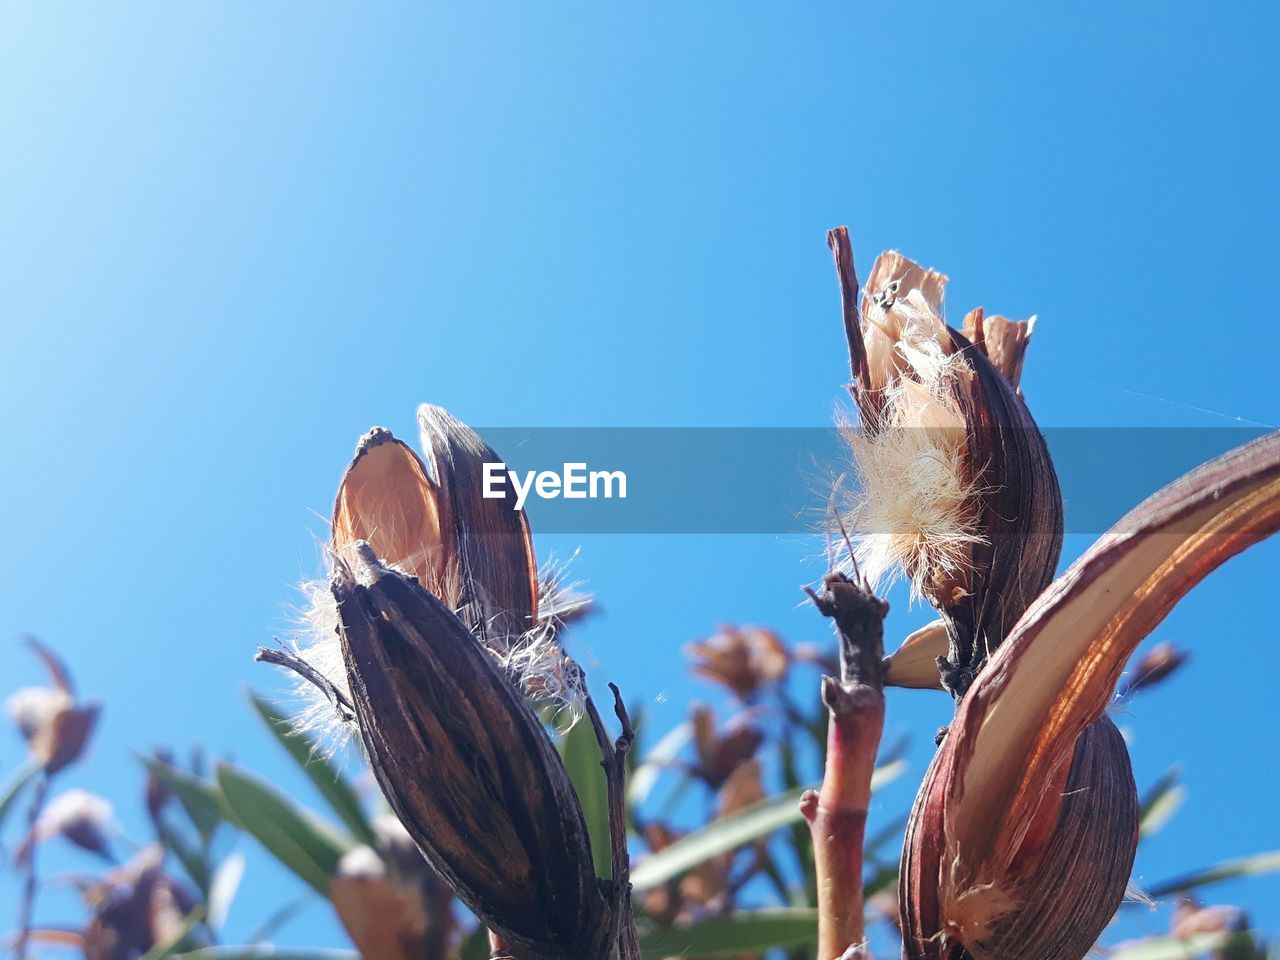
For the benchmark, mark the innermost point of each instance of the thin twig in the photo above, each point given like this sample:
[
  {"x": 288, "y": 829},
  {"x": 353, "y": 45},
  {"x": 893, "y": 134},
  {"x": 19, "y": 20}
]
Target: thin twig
[
  {"x": 614, "y": 762},
  {"x": 27, "y": 909},
  {"x": 282, "y": 658}
]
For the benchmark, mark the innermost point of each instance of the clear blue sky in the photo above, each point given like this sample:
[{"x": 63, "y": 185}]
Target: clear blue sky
[{"x": 234, "y": 236}]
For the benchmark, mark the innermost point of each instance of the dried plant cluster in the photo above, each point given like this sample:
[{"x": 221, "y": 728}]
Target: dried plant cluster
[
  {"x": 1023, "y": 835},
  {"x": 499, "y": 817}
]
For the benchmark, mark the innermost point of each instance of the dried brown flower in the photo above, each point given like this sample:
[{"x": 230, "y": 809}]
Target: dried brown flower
[
  {"x": 722, "y": 751},
  {"x": 746, "y": 660},
  {"x": 55, "y": 726},
  {"x": 1154, "y": 667},
  {"x": 135, "y": 908}
]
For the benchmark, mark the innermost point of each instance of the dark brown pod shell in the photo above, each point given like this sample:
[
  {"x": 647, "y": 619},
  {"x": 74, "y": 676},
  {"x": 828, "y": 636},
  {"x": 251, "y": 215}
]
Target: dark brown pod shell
[
  {"x": 1059, "y": 895},
  {"x": 493, "y": 542},
  {"x": 467, "y": 766}
]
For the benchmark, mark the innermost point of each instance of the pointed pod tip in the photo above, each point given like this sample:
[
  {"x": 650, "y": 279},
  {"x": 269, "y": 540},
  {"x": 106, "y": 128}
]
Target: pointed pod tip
[
  {"x": 376, "y": 437},
  {"x": 357, "y": 565}
]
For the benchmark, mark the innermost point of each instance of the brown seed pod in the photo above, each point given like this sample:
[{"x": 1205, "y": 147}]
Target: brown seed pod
[
  {"x": 959, "y": 489},
  {"x": 1064, "y": 901},
  {"x": 429, "y": 519},
  {"x": 1024, "y": 832},
  {"x": 467, "y": 766}
]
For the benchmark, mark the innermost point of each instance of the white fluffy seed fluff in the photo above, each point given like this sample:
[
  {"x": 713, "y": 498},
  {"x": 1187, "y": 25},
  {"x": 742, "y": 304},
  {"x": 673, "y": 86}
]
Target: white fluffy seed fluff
[
  {"x": 914, "y": 511},
  {"x": 535, "y": 660}
]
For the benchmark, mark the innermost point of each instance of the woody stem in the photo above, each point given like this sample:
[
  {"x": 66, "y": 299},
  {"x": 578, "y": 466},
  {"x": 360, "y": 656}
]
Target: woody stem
[
  {"x": 26, "y": 912},
  {"x": 614, "y": 762},
  {"x": 837, "y": 813}
]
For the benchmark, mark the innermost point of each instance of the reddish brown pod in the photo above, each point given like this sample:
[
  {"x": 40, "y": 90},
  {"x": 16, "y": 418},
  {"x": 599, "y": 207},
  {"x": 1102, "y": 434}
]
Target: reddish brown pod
[{"x": 1023, "y": 835}]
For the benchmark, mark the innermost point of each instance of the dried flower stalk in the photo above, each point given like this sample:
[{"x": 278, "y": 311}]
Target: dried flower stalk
[
  {"x": 837, "y": 813},
  {"x": 442, "y": 628}
]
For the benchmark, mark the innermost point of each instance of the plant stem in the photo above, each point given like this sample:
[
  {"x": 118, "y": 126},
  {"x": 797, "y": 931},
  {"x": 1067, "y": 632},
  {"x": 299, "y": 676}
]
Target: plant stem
[
  {"x": 27, "y": 909},
  {"x": 614, "y": 754},
  {"x": 837, "y": 813}
]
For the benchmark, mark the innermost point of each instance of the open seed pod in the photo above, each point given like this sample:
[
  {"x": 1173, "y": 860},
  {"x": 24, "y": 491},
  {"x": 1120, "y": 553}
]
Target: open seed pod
[
  {"x": 1021, "y": 840},
  {"x": 430, "y": 520},
  {"x": 957, "y": 485},
  {"x": 467, "y": 766}
]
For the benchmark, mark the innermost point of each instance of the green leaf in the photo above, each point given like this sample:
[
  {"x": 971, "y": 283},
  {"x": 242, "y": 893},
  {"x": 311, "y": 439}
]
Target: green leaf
[
  {"x": 342, "y": 799},
  {"x": 1160, "y": 803},
  {"x": 13, "y": 788},
  {"x": 193, "y": 861},
  {"x": 1177, "y": 948},
  {"x": 1257, "y": 864},
  {"x": 476, "y": 945},
  {"x": 581, "y": 754},
  {"x": 166, "y": 947},
  {"x": 645, "y": 775},
  {"x": 743, "y": 932},
  {"x": 223, "y": 888},
  {"x": 280, "y": 916},
  {"x": 732, "y": 832},
  {"x": 199, "y": 798},
  {"x": 308, "y": 847}
]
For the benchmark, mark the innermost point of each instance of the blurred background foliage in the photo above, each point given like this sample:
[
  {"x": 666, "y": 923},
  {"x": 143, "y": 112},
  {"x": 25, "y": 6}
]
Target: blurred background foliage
[{"x": 722, "y": 860}]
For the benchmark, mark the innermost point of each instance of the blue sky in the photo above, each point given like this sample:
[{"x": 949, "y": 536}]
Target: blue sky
[{"x": 234, "y": 236}]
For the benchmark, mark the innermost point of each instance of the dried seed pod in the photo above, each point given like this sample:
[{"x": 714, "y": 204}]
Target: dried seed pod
[
  {"x": 54, "y": 724},
  {"x": 1022, "y": 836},
  {"x": 492, "y": 539},
  {"x": 475, "y": 553},
  {"x": 429, "y": 519},
  {"x": 745, "y": 660},
  {"x": 958, "y": 487},
  {"x": 722, "y": 750},
  {"x": 467, "y": 766},
  {"x": 1056, "y": 911},
  {"x": 915, "y": 662},
  {"x": 137, "y": 907},
  {"x": 384, "y": 916}
]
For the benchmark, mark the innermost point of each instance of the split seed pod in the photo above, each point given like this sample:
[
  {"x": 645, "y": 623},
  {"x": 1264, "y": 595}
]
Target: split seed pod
[
  {"x": 427, "y": 516},
  {"x": 959, "y": 490},
  {"x": 467, "y": 765},
  {"x": 430, "y": 520},
  {"x": 1023, "y": 836}
]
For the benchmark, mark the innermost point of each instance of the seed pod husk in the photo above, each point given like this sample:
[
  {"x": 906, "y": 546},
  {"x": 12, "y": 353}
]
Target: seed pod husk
[
  {"x": 467, "y": 766},
  {"x": 430, "y": 520},
  {"x": 492, "y": 538},
  {"x": 1025, "y": 824},
  {"x": 1057, "y": 910},
  {"x": 965, "y": 496}
]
